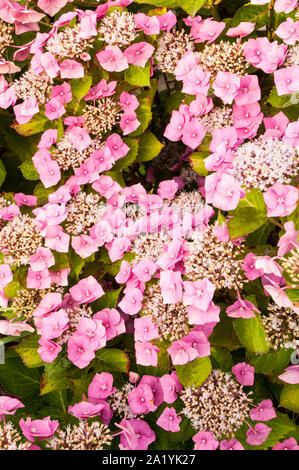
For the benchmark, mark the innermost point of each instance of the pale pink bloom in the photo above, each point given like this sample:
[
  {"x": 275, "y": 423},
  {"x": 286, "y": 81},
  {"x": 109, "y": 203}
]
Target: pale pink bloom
[
  {"x": 198, "y": 341},
  {"x": 118, "y": 247},
  {"x": 264, "y": 54},
  {"x": 139, "y": 53},
  {"x": 88, "y": 24},
  {"x": 101, "y": 233},
  {"x": 129, "y": 122},
  {"x": 88, "y": 172},
  {"x": 94, "y": 331},
  {"x": 206, "y": 30},
  {"x": 174, "y": 130},
  {"x": 85, "y": 410},
  {"x": 289, "y": 240},
  {"x": 146, "y": 353},
  {"x": 106, "y": 186},
  {"x": 249, "y": 267},
  {"x": 51, "y": 7},
  {"x": 50, "y": 64},
  {"x": 148, "y": 24},
  {"x": 263, "y": 412},
  {"x": 226, "y": 86},
  {"x": 276, "y": 125},
  {"x": 131, "y": 303},
  {"x": 201, "y": 105},
  {"x": 287, "y": 444},
  {"x": 288, "y": 31},
  {"x": 8, "y": 67},
  {"x": 145, "y": 329},
  {"x": 71, "y": 69},
  {"x": 247, "y": 116},
  {"x": 8, "y": 98},
  {"x": 223, "y": 139},
  {"x": 249, "y": 91},
  {"x": 101, "y": 386},
  {"x": 257, "y": 435},
  {"x": 136, "y": 435},
  {"x": 111, "y": 321},
  {"x": 193, "y": 133},
  {"x": 38, "y": 279},
  {"x": 205, "y": 441},
  {"x": 87, "y": 290},
  {"x": 154, "y": 383},
  {"x": 169, "y": 387},
  {"x": 54, "y": 324},
  {"x": 84, "y": 245},
  {"x": 127, "y": 102},
  {"x": 198, "y": 293},
  {"x": 63, "y": 93},
  {"x": 49, "y": 173},
  {"x": 281, "y": 200},
  {"x": 277, "y": 294},
  {"x": 124, "y": 272},
  {"x": 25, "y": 200},
  {"x": 56, "y": 239},
  {"x": 48, "y": 350},
  {"x": 101, "y": 90},
  {"x": 197, "y": 316},
  {"x": 185, "y": 65},
  {"x": 79, "y": 138},
  {"x": 290, "y": 375},
  {"x": 80, "y": 351},
  {"x": 171, "y": 286},
  {"x": 141, "y": 399},
  {"x": 241, "y": 308},
  {"x": 144, "y": 269},
  {"x": 9, "y": 328},
  {"x": 291, "y": 135},
  {"x": 8, "y": 406},
  {"x": 26, "y": 110},
  {"x": 233, "y": 444},
  {"x": 243, "y": 29},
  {"x": 285, "y": 6},
  {"x": 6, "y": 275},
  {"x": 38, "y": 429},
  {"x": 286, "y": 80},
  {"x": 244, "y": 373},
  {"x": 112, "y": 59},
  {"x": 181, "y": 352},
  {"x": 42, "y": 259},
  {"x": 60, "y": 277},
  {"x": 60, "y": 196},
  {"x": 167, "y": 21},
  {"x": 65, "y": 19},
  {"x": 197, "y": 82},
  {"x": 225, "y": 192},
  {"x": 49, "y": 302},
  {"x": 169, "y": 420}
]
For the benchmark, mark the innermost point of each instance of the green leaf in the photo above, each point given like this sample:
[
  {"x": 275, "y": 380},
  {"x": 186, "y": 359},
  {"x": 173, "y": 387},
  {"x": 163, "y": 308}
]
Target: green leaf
[
  {"x": 77, "y": 264},
  {"x": 55, "y": 376},
  {"x": 283, "y": 101},
  {"x": 81, "y": 86},
  {"x": 2, "y": 173},
  {"x": 130, "y": 157},
  {"x": 17, "y": 379},
  {"x": 159, "y": 3},
  {"x": 149, "y": 147},
  {"x": 12, "y": 289},
  {"x": 273, "y": 363},
  {"x": 257, "y": 14},
  {"x": 190, "y": 6},
  {"x": 144, "y": 116},
  {"x": 250, "y": 214},
  {"x": 293, "y": 294},
  {"x": 289, "y": 397},
  {"x": 224, "y": 335},
  {"x": 111, "y": 360},
  {"x": 27, "y": 350},
  {"x": 194, "y": 373},
  {"x": 251, "y": 334},
  {"x": 61, "y": 261},
  {"x": 34, "y": 126},
  {"x": 198, "y": 162},
  {"x": 138, "y": 76},
  {"x": 108, "y": 300},
  {"x": 28, "y": 170},
  {"x": 221, "y": 359}
]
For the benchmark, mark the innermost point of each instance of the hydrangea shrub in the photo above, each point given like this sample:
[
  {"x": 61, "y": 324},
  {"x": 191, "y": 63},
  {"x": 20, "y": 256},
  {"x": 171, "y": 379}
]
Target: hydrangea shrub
[{"x": 149, "y": 232}]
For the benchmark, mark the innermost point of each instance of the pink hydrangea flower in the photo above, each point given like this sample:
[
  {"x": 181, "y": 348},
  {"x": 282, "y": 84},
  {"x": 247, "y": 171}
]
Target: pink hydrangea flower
[
  {"x": 146, "y": 353},
  {"x": 206, "y": 30},
  {"x": 139, "y": 53},
  {"x": 136, "y": 434},
  {"x": 286, "y": 80},
  {"x": 6, "y": 275},
  {"x": 141, "y": 399},
  {"x": 48, "y": 350},
  {"x": 290, "y": 375},
  {"x": 287, "y": 444},
  {"x": 129, "y": 122},
  {"x": 85, "y": 410},
  {"x": 51, "y": 7},
  {"x": 9, "y": 406},
  {"x": 112, "y": 322},
  {"x": 171, "y": 286},
  {"x": 285, "y": 6},
  {"x": 205, "y": 441},
  {"x": 112, "y": 59},
  {"x": 243, "y": 29},
  {"x": 148, "y": 24},
  {"x": 263, "y": 412},
  {"x": 244, "y": 373},
  {"x": 131, "y": 303},
  {"x": 182, "y": 352},
  {"x": 226, "y": 86},
  {"x": 39, "y": 429},
  {"x": 169, "y": 420},
  {"x": 289, "y": 240},
  {"x": 80, "y": 351},
  {"x": 281, "y": 200},
  {"x": 233, "y": 444},
  {"x": 249, "y": 91},
  {"x": 71, "y": 69},
  {"x": 26, "y": 110},
  {"x": 87, "y": 290},
  {"x": 101, "y": 386},
  {"x": 193, "y": 133},
  {"x": 257, "y": 435},
  {"x": 288, "y": 31}
]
